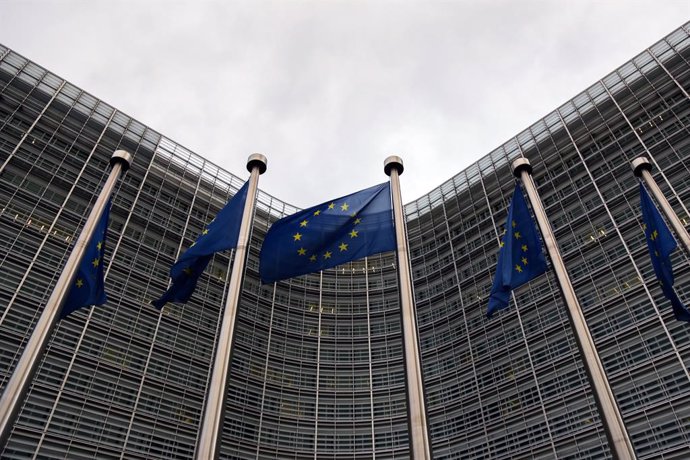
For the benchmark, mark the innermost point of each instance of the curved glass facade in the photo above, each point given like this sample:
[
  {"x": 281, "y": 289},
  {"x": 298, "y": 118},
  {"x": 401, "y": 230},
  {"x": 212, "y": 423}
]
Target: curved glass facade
[{"x": 317, "y": 368}]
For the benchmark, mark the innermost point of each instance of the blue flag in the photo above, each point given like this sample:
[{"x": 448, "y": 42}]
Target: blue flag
[
  {"x": 330, "y": 234},
  {"x": 87, "y": 288},
  {"x": 520, "y": 258},
  {"x": 661, "y": 244},
  {"x": 221, "y": 234}
]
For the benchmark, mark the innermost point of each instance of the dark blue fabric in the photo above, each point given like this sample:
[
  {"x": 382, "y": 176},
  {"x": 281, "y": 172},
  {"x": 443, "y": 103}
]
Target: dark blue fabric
[
  {"x": 661, "y": 244},
  {"x": 330, "y": 234},
  {"x": 221, "y": 234},
  {"x": 520, "y": 258},
  {"x": 87, "y": 288}
]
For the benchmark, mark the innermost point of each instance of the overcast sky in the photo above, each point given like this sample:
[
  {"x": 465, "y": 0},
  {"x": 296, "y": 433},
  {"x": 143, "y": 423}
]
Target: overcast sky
[{"x": 328, "y": 89}]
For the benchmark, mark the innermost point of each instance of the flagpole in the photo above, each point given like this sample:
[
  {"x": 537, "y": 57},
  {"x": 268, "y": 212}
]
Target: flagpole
[
  {"x": 642, "y": 168},
  {"x": 18, "y": 385},
  {"x": 621, "y": 446},
  {"x": 212, "y": 423},
  {"x": 419, "y": 434}
]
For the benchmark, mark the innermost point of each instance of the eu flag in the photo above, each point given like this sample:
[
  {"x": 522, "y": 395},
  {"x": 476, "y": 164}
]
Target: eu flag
[
  {"x": 661, "y": 244},
  {"x": 520, "y": 258},
  {"x": 87, "y": 288},
  {"x": 221, "y": 234},
  {"x": 330, "y": 234}
]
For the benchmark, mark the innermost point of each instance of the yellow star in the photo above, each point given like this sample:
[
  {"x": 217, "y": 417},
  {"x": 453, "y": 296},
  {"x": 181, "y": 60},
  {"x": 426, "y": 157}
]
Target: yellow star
[
  {"x": 502, "y": 244},
  {"x": 354, "y": 234},
  {"x": 654, "y": 235},
  {"x": 331, "y": 206},
  {"x": 205, "y": 231},
  {"x": 343, "y": 247},
  {"x": 524, "y": 248},
  {"x": 656, "y": 253},
  {"x": 517, "y": 235},
  {"x": 644, "y": 226},
  {"x": 99, "y": 245},
  {"x": 358, "y": 221},
  {"x": 188, "y": 271},
  {"x": 327, "y": 255},
  {"x": 514, "y": 224},
  {"x": 297, "y": 236},
  {"x": 80, "y": 282},
  {"x": 524, "y": 261},
  {"x": 95, "y": 262},
  {"x": 303, "y": 223},
  {"x": 302, "y": 251},
  {"x": 313, "y": 258},
  {"x": 317, "y": 212},
  {"x": 518, "y": 268},
  {"x": 344, "y": 207}
]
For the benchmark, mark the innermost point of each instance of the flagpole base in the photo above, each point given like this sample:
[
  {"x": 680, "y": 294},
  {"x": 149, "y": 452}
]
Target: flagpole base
[
  {"x": 257, "y": 160},
  {"x": 639, "y": 165},
  {"x": 519, "y": 165}
]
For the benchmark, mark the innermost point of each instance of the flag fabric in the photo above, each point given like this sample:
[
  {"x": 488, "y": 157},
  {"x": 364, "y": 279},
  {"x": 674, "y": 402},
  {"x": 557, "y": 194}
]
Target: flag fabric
[
  {"x": 661, "y": 244},
  {"x": 88, "y": 288},
  {"x": 520, "y": 258},
  {"x": 330, "y": 234},
  {"x": 221, "y": 234}
]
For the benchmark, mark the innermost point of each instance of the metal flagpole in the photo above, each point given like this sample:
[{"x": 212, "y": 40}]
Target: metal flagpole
[
  {"x": 620, "y": 444},
  {"x": 419, "y": 433},
  {"x": 642, "y": 168},
  {"x": 18, "y": 385},
  {"x": 212, "y": 423}
]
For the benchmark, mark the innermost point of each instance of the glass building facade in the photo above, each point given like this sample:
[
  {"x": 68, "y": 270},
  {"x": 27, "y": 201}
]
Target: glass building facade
[{"x": 317, "y": 368}]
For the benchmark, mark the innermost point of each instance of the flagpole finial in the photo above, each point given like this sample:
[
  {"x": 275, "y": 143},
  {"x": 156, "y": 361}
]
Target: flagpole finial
[
  {"x": 640, "y": 164},
  {"x": 258, "y": 160},
  {"x": 519, "y": 165},
  {"x": 393, "y": 162},
  {"x": 123, "y": 157}
]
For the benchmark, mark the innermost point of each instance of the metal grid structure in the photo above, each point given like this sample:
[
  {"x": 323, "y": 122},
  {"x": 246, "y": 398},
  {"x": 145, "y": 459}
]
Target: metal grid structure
[{"x": 317, "y": 368}]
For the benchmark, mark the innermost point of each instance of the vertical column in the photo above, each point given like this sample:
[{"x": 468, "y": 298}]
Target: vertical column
[
  {"x": 318, "y": 370},
  {"x": 661, "y": 64},
  {"x": 642, "y": 168},
  {"x": 620, "y": 443},
  {"x": 265, "y": 372},
  {"x": 55, "y": 220},
  {"x": 371, "y": 370},
  {"x": 212, "y": 423},
  {"x": 639, "y": 139},
  {"x": 31, "y": 128},
  {"x": 19, "y": 383},
  {"x": 143, "y": 382},
  {"x": 416, "y": 408}
]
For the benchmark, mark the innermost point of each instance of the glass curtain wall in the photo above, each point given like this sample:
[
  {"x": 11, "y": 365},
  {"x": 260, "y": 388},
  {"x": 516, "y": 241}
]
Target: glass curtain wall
[{"x": 317, "y": 366}]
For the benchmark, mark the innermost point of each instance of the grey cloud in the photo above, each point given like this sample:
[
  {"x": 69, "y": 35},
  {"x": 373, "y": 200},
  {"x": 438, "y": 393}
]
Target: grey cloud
[{"x": 327, "y": 90}]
